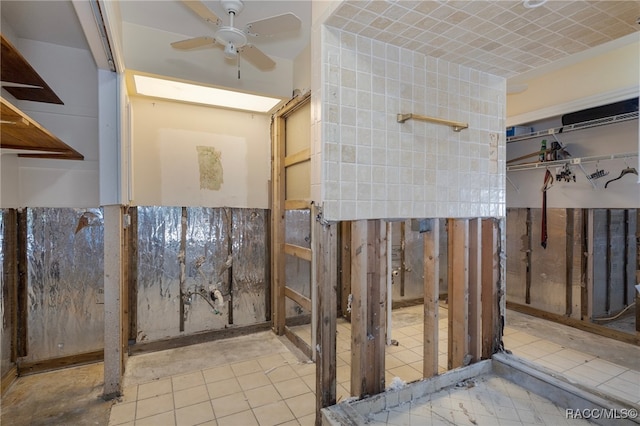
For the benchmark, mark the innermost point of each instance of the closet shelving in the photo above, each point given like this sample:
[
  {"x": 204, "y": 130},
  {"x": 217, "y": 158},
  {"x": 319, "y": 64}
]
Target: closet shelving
[{"x": 569, "y": 128}]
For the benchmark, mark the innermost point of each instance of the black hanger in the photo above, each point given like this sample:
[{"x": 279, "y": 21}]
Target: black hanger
[{"x": 625, "y": 171}]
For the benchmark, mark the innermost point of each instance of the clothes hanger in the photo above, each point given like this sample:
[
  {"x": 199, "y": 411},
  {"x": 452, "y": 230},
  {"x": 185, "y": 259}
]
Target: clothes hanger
[{"x": 625, "y": 171}]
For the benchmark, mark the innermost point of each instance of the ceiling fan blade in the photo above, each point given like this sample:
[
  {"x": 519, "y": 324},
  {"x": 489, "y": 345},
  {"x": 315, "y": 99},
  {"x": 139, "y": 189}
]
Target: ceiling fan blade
[
  {"x": 21, "y": 85},
  {"x": 274, "y": 25},
  {"x": 257, "y": 58},
  {"x": 202, "y": 11},
  {"x": 193, "y": 43}
]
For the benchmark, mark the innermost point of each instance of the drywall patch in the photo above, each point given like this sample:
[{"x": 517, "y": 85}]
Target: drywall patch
[{"x": 210, "y": 164}]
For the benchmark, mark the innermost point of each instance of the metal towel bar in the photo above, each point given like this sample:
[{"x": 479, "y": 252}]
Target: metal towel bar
[{"x": 455, "y": 125}]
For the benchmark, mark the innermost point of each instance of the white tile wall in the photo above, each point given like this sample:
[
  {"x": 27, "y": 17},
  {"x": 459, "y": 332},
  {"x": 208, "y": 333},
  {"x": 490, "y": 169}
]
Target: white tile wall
[{"x": 372, "y": 166}]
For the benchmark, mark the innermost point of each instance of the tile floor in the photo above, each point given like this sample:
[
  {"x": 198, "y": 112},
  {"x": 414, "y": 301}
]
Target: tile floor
[
  {"x": 270, "y": 390},
  {"x": 277, "y": 388},
  {"x": 484, "y": 401}
]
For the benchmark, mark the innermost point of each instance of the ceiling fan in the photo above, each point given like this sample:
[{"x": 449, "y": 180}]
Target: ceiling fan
[{"x": 234, "y": 40}]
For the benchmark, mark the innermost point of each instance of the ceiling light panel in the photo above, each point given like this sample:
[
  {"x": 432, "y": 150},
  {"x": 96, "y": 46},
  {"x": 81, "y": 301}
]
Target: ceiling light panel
[{"x": 204, "y": 95}]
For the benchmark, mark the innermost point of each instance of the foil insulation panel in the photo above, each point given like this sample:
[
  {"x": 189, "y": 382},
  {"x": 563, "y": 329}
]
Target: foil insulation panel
[
  {"x": 5, "y": 311},
  {"x": 65, "y": 254},
  {"x": 250, "y": 254},
  {"x": 297, "y": 271},
  {"x": 207, "y": 252},
  {"x": 220, "y": 245},
  {"x": 159, "y": 235}
]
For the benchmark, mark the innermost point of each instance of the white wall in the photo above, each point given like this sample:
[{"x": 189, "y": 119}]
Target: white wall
[
  {"x": 603, "y": 140},
  {"x": 166, "y": 171},
  {"x": 72, "y": 74},
  {"x": 374, "y": 167}
]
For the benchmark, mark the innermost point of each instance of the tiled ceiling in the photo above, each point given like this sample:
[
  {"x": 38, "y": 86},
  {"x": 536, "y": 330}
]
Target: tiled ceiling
[{"x": 500, "y": 37}]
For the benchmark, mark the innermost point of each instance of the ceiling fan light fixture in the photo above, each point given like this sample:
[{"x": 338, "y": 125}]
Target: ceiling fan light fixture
[{"x": 230, "y": 51}]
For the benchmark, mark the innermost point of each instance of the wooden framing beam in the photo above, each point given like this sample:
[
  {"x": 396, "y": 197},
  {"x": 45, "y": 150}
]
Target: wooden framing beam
[
  {"x": 345, "y": 268},
  {"x": 297, "y": 251},
  {"x": 458, "y": 293},
  {"x": 277, "y": 225},
  {"x": 297, "y": 204},
  {"x": 475, "y": 289},
  {"x": 489, "y": 298},
  {"x": 298, "y": 342},
  {"x": 300, "y": 299},
  {"x": 431, "y": 240},
  {"x": 326, "y": 266},
  {"x": 298, "y": 157},
  {"x": 368, "y": 307}
]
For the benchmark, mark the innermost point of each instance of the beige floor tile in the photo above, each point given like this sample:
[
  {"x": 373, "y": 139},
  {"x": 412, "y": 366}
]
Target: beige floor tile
[
  {"x": 302, "y": 405},
  {"x": 122, "y": 413},
  {"x": 273, "y": 414},
  {"x": 630, "y": 376},
  {"x": 271, "y": 361},
  {"x": 223, "y": 388},
  {"x": 293, "y": 422},
  {"x": 155, "y": 405},
  {"x": 342, "y": 392},
  {"x": 253, "y": 380},
  {"x": 263, "y": 395},
  {"x": 391, "y": 361},
  {"x": 209, "y": 423},
  {"x": 606, "y": 367},
  {"x": 163, "y": 419},
  {"x": 244, "y": 418},
  {"x": 190, "y": 396},
  {"x": 310, "y": 380},
  {"x": 343, "y": 374},
  {"x": 217, "y": 374},
  {"x": 407, "y": 356},
  {"x": 185, "y": 381},
  {"x": 406, "y": 373},
  {"x": 304, "y": 368},
  {"x": 585, "y": 370},
  {"x": 246, "y": 367},
  {"x": 129, "y": 393},
  {"x": 230, "y": 404},
  {"x": 282, "y": 373},
  {"x": 309, "y": 420},
  {"x": 194, "y": 414},
  {"x": 155, "y": 388},
  {"x": 293, "y": 387}
]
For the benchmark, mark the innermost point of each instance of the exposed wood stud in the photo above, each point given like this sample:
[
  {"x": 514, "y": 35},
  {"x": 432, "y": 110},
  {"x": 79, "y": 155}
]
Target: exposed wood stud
[
  {"x": 133, "y": 275},
  {"x": 326, "y": 249},
  {"x": 301, "y": 300},
  {"x": 402, "y": 256},
  {"x": 570, "y": 213},
  {"x": 297, "y": 251},
  {"x": 528, "y": 257},
  {"x": 609, "y": 284},
  {"x": 491, "y": 333},
  {"x": 431, "y": 240},
  {"x": 589, "y": 267},
  {"x": 345, "y": 268},
  {"x": 368, "y": 274},
  {"x": 584, "y": 250},
  {"x": 475, "y": 289},
  {"x": 298, "y": 342},
  {"x": 458, "y": 293}
]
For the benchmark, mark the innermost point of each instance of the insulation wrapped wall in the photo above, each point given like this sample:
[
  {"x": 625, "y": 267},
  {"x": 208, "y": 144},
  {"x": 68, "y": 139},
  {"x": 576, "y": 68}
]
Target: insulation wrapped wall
[
  {"x": 207, "y": 248},
  {"x": 217, "y": 241},
  {"x": 5, "y": 311},
  {"x": 609, "y": 257},
  {"x": 250, "y": 283},
  {"x": 65, "y": 282},
  {"x": 518, "y": 248},
  {"x": 562, "y": 263},
  {"x": 159, "y": 234},
  {"x": 297, "y": 271}
]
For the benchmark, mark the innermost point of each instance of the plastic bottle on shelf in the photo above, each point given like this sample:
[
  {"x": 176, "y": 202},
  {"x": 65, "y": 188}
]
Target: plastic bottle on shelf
[{"x": 543, "y": 149}]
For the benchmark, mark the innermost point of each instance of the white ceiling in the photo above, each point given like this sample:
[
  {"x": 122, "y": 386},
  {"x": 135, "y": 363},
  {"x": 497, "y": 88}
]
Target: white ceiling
[{"x": 499, "y": 36}]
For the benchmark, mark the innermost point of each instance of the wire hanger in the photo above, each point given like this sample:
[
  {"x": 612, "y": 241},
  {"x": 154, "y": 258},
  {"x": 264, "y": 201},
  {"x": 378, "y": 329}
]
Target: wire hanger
[{"x": 627, "y": 170}]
